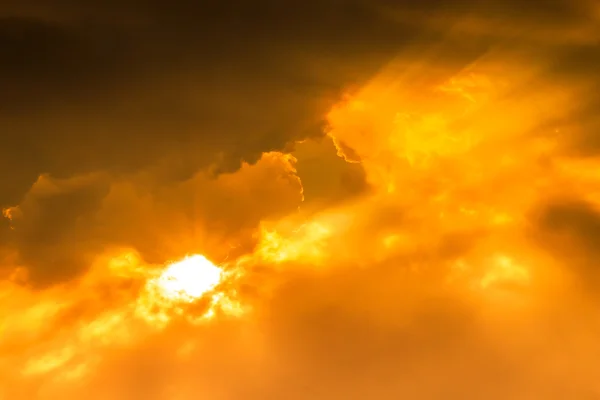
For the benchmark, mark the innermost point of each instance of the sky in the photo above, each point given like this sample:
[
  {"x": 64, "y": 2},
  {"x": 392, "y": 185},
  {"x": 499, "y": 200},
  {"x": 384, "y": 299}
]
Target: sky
[{"x": 299, "y": 200}]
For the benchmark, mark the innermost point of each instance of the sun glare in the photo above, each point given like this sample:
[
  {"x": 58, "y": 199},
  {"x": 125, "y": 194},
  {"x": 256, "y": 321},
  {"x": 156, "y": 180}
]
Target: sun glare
[
  {"x": 189, "y": 278},
  {"x": 188, "y": 288}
]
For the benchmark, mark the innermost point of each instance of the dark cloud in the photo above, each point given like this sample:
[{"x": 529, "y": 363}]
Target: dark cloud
[
  {"x": 557, "y": 11},
  {"x": 86, "y": 91},
  {"x": 572, "y": 68},
  {"x": 51, "y": 223},
  {"x": 120, "y": 85},
  {"x": 576, "y": 218},
  {"x": 327, "y": 179},
  {"x": 569, "y": 229}
]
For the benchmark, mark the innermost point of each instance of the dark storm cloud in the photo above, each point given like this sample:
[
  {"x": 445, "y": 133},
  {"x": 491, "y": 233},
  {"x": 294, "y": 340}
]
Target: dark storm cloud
[{"x": 84, "y": 89}]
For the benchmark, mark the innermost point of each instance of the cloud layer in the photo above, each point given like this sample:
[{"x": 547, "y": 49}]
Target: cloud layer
[{"x": 404, "y": 199}]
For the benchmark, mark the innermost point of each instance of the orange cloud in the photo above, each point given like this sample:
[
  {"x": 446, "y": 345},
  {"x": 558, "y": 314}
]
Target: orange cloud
[{"x": 432, "y": 234}]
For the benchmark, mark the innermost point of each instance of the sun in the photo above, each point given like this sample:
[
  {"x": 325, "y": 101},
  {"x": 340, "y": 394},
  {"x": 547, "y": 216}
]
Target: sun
[
  {"x": 189, "y": 279},
  {"x": 193, "y": 288}
]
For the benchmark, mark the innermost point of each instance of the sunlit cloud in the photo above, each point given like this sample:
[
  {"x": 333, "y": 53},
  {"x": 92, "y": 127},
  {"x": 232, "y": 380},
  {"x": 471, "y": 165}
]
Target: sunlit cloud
[{"x": 318, "y": 225}]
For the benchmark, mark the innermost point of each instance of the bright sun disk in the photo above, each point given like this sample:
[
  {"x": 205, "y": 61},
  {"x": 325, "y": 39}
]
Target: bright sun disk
[{"x": 189, "y": 278}]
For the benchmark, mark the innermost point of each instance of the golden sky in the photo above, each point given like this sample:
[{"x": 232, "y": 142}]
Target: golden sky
[{"x": 300, "y": 200}]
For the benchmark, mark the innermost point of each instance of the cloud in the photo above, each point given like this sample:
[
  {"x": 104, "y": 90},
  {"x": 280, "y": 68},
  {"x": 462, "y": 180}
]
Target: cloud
[
  {"x": 62, "y": 224},
  {"x": 402, "y": 199},
  {"x": 569, "y": 229},
  {"x": 342, "y": 181},
  {"x": 381, "y": 328},
  {"x": 51, "y": 216},
  {"x": 87, "y": 91}
]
